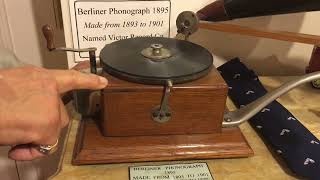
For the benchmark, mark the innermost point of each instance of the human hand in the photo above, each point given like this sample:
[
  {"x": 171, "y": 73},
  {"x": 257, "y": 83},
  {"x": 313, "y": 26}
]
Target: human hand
[{"x": 31, "y": 111}]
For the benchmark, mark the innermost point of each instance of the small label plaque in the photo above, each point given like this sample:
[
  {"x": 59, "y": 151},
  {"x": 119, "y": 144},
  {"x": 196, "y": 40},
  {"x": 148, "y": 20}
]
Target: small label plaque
[{"x": 195, "y": 171}]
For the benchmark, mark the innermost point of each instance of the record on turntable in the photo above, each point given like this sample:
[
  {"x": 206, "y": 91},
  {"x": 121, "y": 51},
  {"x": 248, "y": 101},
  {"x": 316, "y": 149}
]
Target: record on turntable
[{"x": 156, "y": 60}]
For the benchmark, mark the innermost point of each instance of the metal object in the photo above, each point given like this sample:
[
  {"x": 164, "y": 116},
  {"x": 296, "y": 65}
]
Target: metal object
[
  {"x": 188, "y": 61},
  {"x": 156, "y": 52},
  {"x": 48, "y": 149},
  {"x": 162, "y": 113},
  {"x": 187, "y": 23},
  {"x": 235, "y": 118},
  {"x": 316, "y": 83},
  {"x": 49, "y": 35}
]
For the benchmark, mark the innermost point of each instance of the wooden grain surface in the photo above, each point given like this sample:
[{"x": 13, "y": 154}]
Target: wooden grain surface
[
  {"x": 196, "y": 107},
  {"x": 93, "y": 148},
  {"x": 263, "y": 33}
]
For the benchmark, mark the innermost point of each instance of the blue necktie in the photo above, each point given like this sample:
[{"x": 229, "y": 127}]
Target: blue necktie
[{"x": 294, "y": 143}]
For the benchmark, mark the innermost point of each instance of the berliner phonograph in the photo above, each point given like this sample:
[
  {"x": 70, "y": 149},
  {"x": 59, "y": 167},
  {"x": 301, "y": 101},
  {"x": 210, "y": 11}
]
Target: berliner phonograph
[{"x": 165, "y": 101}]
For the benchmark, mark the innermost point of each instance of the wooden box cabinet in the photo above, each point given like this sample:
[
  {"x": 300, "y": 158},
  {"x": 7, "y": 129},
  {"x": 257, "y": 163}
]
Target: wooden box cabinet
[
  {"x": 126, "y": 132},
  {"x": 196, "y": 107}
]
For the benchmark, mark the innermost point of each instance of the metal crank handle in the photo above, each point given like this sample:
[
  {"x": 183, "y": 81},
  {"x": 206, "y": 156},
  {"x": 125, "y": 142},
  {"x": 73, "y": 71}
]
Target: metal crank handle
[
  {"x": 162, "y": 113},
  {"x": 164, "y": 107},
  {"x": 48, "y": 33},
  {"x": 237, "y": 117}
]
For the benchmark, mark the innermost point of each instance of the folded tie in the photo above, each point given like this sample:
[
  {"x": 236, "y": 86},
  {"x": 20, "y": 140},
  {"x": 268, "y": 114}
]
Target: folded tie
[{"x": 294, "y": 143}]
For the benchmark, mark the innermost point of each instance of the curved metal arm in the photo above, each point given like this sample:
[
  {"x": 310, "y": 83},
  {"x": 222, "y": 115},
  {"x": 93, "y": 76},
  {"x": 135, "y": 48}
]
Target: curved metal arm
[
  {"x": 162, "y": 113},
  {"x": 235, "y": 118}
]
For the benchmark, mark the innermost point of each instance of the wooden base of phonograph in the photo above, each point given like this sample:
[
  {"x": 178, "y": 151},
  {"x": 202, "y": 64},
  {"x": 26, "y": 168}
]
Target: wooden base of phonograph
[
  {"x": 125, "y": 132},
  {"x": 93, "y": 148}
]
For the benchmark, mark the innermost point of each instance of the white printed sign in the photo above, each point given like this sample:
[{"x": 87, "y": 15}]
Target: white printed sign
[
  {"x": 195, "y": 171},
  {"x": 100, "y": 22}
]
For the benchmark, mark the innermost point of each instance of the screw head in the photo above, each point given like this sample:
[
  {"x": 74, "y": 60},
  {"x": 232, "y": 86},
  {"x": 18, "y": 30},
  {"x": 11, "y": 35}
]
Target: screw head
[
  {"x": 156, "y": 46},
  {"x": 228, "y": 120},
  {"x": 316, "y": 84}
]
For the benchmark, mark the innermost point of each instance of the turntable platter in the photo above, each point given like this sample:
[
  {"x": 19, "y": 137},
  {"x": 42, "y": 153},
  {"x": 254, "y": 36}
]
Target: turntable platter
[{"x": 156, "y": 60}]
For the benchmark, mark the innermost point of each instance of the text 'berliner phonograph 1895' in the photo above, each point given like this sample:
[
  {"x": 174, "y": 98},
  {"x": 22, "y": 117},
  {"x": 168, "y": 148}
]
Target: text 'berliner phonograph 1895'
[{"x": 165, "y": 101}]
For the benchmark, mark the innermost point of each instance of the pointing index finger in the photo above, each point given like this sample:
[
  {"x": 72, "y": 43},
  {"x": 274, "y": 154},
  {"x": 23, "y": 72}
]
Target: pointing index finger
[{"x": 73, "y": 80}]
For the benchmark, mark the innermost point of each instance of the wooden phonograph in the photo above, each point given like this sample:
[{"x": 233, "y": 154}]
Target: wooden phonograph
[{"x": 165, "y": 101}]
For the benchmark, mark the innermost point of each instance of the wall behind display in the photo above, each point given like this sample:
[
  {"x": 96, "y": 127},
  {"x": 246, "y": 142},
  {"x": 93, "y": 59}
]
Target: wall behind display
[{"x": 25, "y": 19}]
